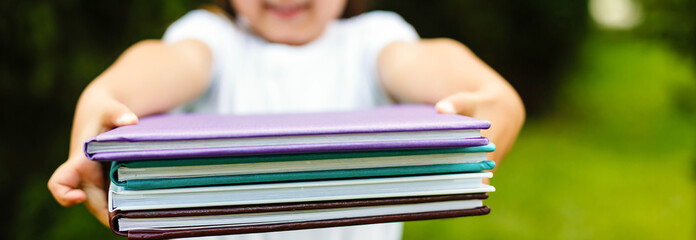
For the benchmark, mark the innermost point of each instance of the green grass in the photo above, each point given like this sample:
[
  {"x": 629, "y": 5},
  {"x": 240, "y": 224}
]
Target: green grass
[
  {"x": 556, "y": 186},
  {"x": 615, "y": 161}
]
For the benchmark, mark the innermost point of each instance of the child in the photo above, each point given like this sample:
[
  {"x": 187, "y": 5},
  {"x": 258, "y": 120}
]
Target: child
[{"x": 284, "y": 56}]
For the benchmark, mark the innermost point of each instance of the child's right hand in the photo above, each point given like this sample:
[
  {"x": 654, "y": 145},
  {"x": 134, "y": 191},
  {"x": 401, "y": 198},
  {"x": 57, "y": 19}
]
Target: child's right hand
[
  {"x": 80, "y": 179},
  {"x": 150, "y": 77}
]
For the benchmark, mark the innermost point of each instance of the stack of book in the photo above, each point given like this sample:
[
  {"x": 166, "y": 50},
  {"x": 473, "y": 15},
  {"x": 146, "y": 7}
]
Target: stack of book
[{"x": 198, "y": 175}]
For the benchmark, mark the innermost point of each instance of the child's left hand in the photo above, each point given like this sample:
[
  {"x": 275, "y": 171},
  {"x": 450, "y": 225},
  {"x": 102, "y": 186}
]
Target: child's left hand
[{"x": 446, "y": 73}]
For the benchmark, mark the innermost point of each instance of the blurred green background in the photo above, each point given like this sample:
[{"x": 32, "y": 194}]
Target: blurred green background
[{"x": 607, "y": 152}]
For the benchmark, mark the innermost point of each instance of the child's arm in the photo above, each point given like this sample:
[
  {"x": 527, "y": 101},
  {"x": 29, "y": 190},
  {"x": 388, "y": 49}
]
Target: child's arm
[
  {"x": 446, "y": 73},
  {"x": 149, "y": 77}
]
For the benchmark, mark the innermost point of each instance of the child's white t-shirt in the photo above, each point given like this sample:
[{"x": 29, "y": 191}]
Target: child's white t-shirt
[{"x": 337, "y": 71}]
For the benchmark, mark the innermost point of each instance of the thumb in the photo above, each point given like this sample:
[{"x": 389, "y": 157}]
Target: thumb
[
  {"x": 97, "y": 202},
  {"x": 459, "y": 103},
  {"x": 118, "y": 114}
]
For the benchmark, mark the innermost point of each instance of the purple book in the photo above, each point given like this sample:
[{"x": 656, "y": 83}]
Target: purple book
[{"x": 204, "y": 135}]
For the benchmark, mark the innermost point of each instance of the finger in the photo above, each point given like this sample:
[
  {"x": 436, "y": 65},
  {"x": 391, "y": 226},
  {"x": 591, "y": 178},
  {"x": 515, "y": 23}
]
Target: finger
[
  {"x": 63, "y": 185},
  {"x": 92, "y": 183},
  {"x": 459, "y": 103},
  {"x": 96, "y": 202},
  {"x": 118, "y": 114}
]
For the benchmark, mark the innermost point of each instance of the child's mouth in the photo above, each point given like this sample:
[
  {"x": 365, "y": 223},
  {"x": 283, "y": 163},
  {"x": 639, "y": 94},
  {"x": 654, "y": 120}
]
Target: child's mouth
[{"x": 286, "y": 11}]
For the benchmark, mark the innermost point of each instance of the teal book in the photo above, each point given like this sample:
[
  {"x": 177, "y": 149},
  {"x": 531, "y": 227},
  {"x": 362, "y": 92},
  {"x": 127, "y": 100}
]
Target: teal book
[
  {"x": 276, "y": 168},
  {"x": 160, "y": 183}
]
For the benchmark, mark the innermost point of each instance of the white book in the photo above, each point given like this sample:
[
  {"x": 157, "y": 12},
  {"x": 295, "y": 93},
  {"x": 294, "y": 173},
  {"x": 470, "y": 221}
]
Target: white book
[{"x": 125, "y": 200}]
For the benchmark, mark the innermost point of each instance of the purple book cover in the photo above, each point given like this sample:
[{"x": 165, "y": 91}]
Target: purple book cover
[{"x": 181, "y": 127}]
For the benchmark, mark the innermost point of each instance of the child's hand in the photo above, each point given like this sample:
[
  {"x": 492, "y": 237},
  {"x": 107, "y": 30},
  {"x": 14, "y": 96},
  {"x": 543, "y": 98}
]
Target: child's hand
[
  {"x": 447, "y": 73},
  {"x": 460, "y": 103},
  {"x": 80, "y": 179},
  {"x": 150, "y": 77}
]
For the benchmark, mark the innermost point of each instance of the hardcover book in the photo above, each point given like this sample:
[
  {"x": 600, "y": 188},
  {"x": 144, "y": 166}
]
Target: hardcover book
[
  {"x": 155, "y": 174},
  {"x": 160, "y": 183},
  {"x": 200, "y": 135},
  {"x": 156, "y": 224},
  {"x": 307, "y": 191}
]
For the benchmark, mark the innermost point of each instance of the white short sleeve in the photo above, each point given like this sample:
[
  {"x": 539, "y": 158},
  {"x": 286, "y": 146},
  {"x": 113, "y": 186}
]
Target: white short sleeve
[
  {"x": 375, "y": 31},
  {"x": 213, "y": 30},
  {"x": 381, "y": 28},
  {"x": 219, "y": 34}
]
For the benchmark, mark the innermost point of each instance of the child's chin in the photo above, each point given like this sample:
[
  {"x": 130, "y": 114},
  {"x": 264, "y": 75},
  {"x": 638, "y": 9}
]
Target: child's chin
[
  {"x": 291, "y": 36},
  {"x": 290, "y": 40}
]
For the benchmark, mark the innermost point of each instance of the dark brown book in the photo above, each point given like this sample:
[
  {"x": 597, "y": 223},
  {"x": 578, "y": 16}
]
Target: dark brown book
[{"x": 297, "y": 207}]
